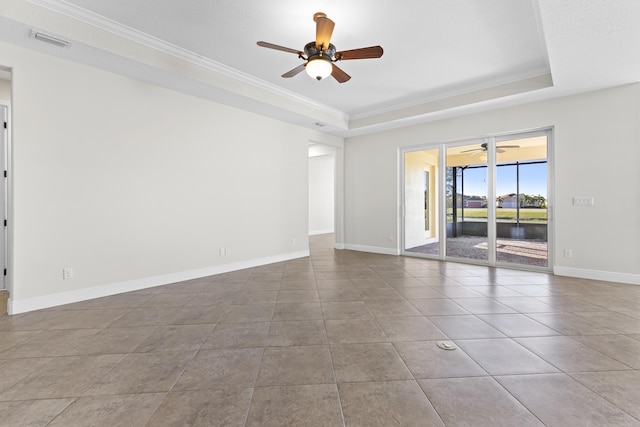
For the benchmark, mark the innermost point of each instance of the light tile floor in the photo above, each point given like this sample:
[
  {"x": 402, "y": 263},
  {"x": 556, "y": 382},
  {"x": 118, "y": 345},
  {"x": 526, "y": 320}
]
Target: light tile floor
[{"x": 339, "y": 338}]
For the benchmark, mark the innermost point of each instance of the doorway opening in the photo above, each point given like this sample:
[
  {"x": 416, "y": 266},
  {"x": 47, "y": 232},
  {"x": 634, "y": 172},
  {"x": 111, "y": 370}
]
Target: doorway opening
[{"x": 322, "y": 192}]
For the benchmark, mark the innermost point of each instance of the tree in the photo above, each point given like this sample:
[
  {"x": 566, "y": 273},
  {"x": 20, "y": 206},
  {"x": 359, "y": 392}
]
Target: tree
[
  {"x": 540, "y": 201},
  {"x": 529, "y": 201}
]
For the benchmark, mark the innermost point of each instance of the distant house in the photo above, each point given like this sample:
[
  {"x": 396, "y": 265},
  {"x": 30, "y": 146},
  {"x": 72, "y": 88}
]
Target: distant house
[
  {"x": 474, "y": 202},
  {"x": 508, "y": 201}
]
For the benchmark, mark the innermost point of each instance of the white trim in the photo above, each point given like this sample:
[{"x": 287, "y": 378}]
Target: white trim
[
  {"x": 91, "y": 18},
  {"x": 316, "y": 232},
  {"x": 542, "y": 75},
  {"x": 339, "y": 246},
  {"x": 53, "y": 300},
  {"x": 6, "y": 118},
  {"x": 372, "y": 249},
  {"x": 607, "y": 276},
  {"x": 402, "y": 190}
]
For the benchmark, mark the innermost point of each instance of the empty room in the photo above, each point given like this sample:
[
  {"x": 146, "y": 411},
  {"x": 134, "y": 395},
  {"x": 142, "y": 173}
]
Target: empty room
[{"x": 320, "y": 213}]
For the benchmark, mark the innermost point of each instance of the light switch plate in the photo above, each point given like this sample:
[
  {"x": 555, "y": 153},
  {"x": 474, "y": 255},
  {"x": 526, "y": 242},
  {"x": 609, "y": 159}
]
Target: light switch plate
[{"x": 583, "y": 201}]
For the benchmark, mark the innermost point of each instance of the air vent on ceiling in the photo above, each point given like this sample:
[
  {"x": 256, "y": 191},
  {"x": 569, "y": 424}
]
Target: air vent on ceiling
[{"x": 49, "y": 39}]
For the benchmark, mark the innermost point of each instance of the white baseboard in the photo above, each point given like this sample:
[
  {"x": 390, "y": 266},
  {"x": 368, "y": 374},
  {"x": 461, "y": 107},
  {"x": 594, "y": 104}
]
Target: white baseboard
[
  {"x": 607, "y": 276},
  {"x": 53, "y": 300},
  {"x": 338, "y": 245},
  {"x": 316, "y": 232},
  {"x": 372, "y": 249}
]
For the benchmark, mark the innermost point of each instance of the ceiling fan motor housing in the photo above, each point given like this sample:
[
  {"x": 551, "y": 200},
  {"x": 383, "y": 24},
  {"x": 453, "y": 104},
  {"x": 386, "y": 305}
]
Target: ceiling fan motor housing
[{"x": 313, "y": 52}]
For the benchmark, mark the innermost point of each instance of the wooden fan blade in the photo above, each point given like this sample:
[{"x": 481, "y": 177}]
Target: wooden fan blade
[
  {"x": 324, "y": 29},
  {"x": 508, "y": 146},
  {"x": 362, "y": 53},
  {"x": 282, "y": 48},
  {"x": 474, "y": 149},
  {"x": 339, "y": 75},
  {"x": 295, "y": 71}
]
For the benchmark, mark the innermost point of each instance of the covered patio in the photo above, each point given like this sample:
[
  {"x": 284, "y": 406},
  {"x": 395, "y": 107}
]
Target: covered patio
[{"x": 517, "y": 251}]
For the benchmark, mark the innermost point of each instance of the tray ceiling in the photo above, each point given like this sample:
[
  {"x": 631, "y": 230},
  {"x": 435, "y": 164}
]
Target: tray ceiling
[{"x": 440, "y": 58}]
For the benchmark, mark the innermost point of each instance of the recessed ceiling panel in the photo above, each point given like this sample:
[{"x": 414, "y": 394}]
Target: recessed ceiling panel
[{"x": 432, "y": 49}]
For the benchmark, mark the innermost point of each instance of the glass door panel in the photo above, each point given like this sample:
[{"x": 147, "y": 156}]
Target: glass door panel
[
  {"x": 421, "y": 213},
  {"x": 521, "y": 201},
  {"x": 467, "y": 202}
]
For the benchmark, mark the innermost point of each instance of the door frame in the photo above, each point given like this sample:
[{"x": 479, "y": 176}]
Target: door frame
[
  {"x": 492, "y": 140},
  {"x": 5, "y": 152}
]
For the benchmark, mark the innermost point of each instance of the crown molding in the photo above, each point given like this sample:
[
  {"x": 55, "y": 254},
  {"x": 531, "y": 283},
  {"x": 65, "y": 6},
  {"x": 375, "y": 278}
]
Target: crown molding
[
  {"x": 93, "y": 19},
  {"x": 423, "y": 109},
  {"x": 544, "y": 75}
]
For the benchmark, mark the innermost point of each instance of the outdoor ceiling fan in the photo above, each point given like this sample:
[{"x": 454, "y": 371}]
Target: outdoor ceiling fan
[
  {"x": 320, "y": 55},
  {"x": 483, "y": 149}
]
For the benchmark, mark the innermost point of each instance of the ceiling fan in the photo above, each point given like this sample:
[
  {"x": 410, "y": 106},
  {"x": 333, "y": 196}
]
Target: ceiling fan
[
  {"x": 320, "y": 55},
  {"x": 483, "y": 149}
]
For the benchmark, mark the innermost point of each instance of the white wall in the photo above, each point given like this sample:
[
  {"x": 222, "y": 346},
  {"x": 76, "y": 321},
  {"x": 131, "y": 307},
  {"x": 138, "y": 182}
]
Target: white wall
[
  {"x": 132, "y": 185},
  {"x": 321, "y": 194},
  {"x": 596, "y": 153},
  {"x": 416, "y": 163}
]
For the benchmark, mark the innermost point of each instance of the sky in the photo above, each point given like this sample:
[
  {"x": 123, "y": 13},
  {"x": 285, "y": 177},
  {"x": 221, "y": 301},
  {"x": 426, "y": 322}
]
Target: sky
[{"x": 533, "y": 180}]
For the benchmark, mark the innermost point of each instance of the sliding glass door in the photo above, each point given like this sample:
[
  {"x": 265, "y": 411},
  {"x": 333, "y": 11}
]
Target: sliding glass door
[
  {"x": 481, "y": 201},
  {"x": 467, "y": 201},
  {"x": 522, "y": 201}
]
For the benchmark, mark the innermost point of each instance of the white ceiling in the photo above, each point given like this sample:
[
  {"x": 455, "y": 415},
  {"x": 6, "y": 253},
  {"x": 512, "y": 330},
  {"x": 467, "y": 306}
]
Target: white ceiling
[{"x": 441, "y": 58}]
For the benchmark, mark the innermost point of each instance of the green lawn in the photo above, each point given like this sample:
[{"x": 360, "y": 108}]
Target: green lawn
[{"x": 526, "y": 215}]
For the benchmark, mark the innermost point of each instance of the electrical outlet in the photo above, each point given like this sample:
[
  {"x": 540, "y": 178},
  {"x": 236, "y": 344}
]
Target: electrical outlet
[
  {"x": 568, "y": 253},
  {"x": 293, "y": 241},
  {"x": 221, "y": 251},
  {"x": 67, "y": 273}
]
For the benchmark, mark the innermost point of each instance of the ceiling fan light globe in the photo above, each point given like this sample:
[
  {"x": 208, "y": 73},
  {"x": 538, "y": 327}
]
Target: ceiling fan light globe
[{"x": 319, "y": 68}]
